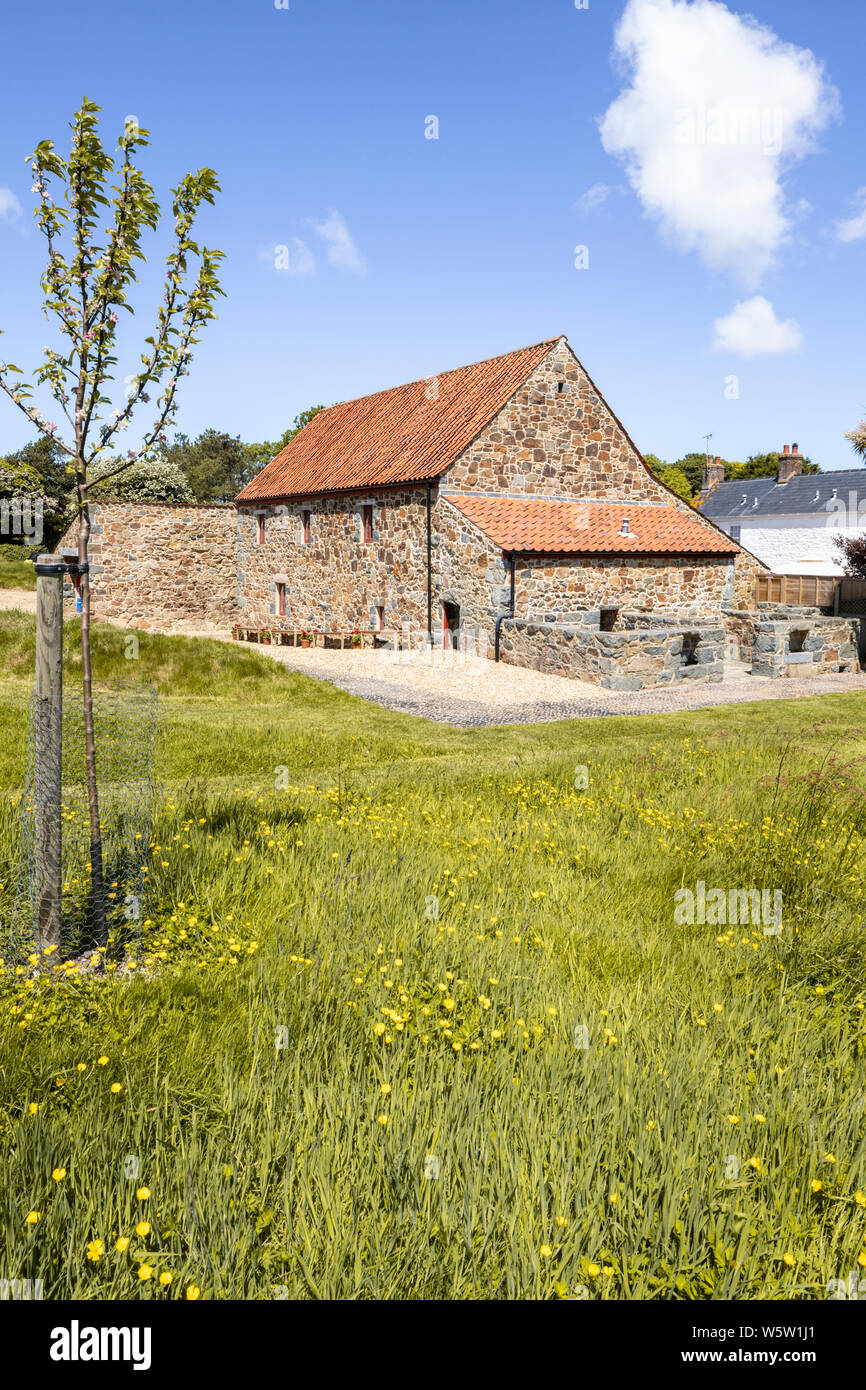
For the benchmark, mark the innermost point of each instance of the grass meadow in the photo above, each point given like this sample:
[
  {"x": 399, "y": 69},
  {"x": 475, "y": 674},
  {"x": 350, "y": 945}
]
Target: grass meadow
[{"x": 412, "y": 1018}]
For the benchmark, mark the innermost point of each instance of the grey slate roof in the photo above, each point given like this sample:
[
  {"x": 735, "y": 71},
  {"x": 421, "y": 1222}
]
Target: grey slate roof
[{"x": 806, "y": 495}]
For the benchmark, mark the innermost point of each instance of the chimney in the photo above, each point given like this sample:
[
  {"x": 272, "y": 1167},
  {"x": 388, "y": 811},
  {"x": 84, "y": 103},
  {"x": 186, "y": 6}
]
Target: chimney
[
  {"x": 790, "y": 464},
  {"x": 714, "y": 472}
]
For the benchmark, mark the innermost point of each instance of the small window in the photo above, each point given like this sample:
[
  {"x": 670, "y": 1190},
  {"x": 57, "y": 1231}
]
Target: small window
[
  {"x": 689, "y": 649},
  {"x": 380, "y": 617},
  {"x": 367, "y": 523},
  {"x": 281, "y": 600},
  {"x": 561, "y": 388},
  {"x": 608, "y": 619},
  {"x": 735, "y": 534},
  {"x": 306, "y": 530},
  {"x": 260, "y": 530},
  {"x": 796, "y": 641}
]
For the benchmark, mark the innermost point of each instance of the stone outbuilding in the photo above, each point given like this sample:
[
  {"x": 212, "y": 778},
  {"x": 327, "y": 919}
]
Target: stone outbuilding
[{"x": 488, "y": 501}]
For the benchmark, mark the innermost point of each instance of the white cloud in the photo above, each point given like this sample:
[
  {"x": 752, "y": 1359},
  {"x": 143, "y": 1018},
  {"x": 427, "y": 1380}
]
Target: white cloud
[
  {"x": 9, "y": 204},
  {"x": 716, "y": 107},
  {"x": 597, "y": 196},
  {"x": 752, "y": 329},
  {"x": 342, "y": 250},
  {"x": 854, "y": 228},
  {"x": 292, "y": 258}
]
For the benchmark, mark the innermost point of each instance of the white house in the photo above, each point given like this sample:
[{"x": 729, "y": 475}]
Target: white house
[{"x": 788, "y": 521}]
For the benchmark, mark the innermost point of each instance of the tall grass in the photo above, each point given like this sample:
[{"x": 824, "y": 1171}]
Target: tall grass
[{"x": 425, "y": 1026}]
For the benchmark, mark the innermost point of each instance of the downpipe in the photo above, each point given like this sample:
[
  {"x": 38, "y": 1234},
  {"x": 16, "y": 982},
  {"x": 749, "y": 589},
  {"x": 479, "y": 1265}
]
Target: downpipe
[{"x": 508, "y": 614}]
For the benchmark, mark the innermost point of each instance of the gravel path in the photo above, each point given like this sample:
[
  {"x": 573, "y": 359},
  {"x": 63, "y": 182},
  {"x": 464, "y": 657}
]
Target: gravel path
[{"x": 469, "y": 691}]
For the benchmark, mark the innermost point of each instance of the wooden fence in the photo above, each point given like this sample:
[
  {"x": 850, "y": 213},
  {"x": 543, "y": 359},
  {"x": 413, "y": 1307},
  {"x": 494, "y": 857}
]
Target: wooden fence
[
  {"x": 812, "y": 589},
  {"x": 841, "y": 595}
]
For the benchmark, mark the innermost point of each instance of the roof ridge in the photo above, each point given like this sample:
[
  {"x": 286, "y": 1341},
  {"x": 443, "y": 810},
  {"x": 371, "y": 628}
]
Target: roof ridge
[{"x": 450, "y": 371}]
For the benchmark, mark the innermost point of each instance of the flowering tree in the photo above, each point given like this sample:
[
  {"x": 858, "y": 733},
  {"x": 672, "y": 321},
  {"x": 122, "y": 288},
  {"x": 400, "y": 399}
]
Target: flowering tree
[
  {"x": 853, "y": 550},
  {"x": 84, "y": 287}
]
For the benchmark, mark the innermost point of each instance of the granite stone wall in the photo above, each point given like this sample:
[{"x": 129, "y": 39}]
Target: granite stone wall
[
  {"x": 805, "y": 646},
  {"x": 160, "y": 566},
  {"x": 637, "y": 658}
]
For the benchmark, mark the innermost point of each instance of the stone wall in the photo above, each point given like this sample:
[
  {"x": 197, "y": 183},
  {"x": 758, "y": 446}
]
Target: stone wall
[
  {"x": 160, "y": 566},
  {"x": 337, "y": 581},
  {"x": 673, "y": 585},
  {"x": 805, "y": 646},
  {"x": 763, "y": 637},
  {"x": 635, "y": 659}
]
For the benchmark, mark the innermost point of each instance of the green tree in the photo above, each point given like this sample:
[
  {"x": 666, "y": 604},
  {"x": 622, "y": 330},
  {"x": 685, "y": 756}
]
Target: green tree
[
  {"x": 676, "y": 480},
  {"x": 216, "y": 465},
  {"x": 151, "y": 480},
  {"x": 89, "y": 271},
  {"x": 654, "y": 463},
  {"x": 764, "y": 466},
  {"x": 692, "y": 467},
  {"x": 37, "y": 471}
]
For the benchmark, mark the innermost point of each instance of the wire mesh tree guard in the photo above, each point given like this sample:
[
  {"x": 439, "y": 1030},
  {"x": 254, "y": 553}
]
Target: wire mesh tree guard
[{"x": 57, "y": 854}]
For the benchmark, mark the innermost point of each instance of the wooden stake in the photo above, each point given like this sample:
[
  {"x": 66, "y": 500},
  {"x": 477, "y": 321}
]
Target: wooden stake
[{"x": 48, "y": 752}]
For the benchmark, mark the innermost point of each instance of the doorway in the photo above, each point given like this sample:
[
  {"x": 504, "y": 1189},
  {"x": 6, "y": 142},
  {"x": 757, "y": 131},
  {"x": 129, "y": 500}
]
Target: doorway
[{"x": 450, "y": 625}]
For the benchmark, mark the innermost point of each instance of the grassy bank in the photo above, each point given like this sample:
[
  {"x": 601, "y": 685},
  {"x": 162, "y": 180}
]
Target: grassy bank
[{"x": 412, "y": 1015}]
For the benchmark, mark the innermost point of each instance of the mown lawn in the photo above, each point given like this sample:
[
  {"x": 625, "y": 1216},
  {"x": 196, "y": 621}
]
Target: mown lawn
[{"x": 414, "y": 1018}]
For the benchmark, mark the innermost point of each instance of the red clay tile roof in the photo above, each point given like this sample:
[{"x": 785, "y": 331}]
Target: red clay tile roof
[
  {"x": 404, "y": 434},
  {"x": 546, "y": 527}
]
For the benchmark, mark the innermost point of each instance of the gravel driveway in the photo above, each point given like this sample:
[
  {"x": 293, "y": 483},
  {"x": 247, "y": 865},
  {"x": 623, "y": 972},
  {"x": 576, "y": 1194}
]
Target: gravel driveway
[{"x": 469, "y": 691}]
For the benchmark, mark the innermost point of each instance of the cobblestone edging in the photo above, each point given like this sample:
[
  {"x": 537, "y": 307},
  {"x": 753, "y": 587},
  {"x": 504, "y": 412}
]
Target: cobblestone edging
[{"x": 465, "y": 713}]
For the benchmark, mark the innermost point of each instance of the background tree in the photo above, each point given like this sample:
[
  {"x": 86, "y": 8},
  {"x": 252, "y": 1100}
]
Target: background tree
[
  {"x": 672, "y": 477},
  {"x": 215, "y": 465},
  {"x": 38, "y": 472},
  {"x": 85, "y": 287},
  {"x": 764, "y": 466},
  {"x": 152, "y": 480},
  {"x": 218, "y": 465},
  {"x": 853, "y": 550}
]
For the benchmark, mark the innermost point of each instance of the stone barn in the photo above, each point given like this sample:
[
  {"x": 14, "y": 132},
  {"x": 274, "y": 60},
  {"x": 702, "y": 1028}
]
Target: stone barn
[{"x": 501, "y": 506}]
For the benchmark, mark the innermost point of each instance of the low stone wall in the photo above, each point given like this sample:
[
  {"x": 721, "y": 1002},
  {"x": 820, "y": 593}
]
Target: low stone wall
[
  {"x": 632, "y": 659},
  {"x": 822, "y": 642},
  {"x": 161, "y": 566},
  {"x": 805, "y": 646}
]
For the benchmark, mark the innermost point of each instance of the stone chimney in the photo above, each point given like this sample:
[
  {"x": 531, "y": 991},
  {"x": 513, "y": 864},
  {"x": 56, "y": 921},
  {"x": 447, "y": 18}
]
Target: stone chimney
[
  {"x": 790, "y": 464},
  {"x": 714, "y": 472}
]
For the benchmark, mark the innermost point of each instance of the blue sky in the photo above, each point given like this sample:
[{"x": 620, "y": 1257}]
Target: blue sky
[{"x": 712, "y": 254}]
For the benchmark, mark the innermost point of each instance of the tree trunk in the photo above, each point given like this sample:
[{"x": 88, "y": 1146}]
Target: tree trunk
[{"x": 97, "y": 886}]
